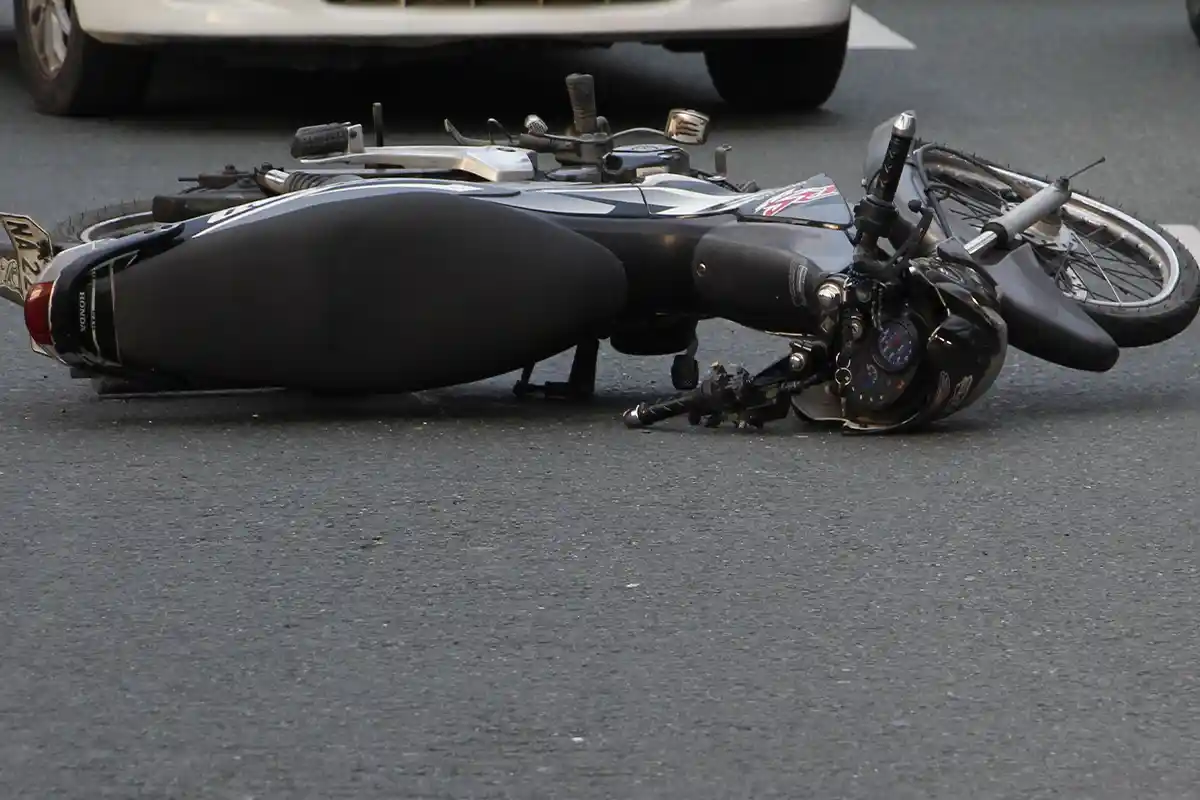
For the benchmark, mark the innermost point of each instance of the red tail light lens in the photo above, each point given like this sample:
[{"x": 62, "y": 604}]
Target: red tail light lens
[{"x": 37, "y": 313}]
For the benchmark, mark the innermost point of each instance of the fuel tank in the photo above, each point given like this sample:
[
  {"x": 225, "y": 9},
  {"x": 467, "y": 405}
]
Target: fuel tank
[{"x": 348, "y": 290}]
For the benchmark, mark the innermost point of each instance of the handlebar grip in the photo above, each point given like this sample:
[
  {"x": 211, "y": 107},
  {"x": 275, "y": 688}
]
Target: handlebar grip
[
  {"x": 646, "y": 414},
  {"x": 319, "y": 140},
  {"x": 581, "y": 88},
  {"x": 1047, "y": 200},
  {"x": 904, "y": 129}
]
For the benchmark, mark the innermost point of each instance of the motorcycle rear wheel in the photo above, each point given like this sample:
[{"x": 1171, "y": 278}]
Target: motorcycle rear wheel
[
  {"x": 1098, "y": 237},
  {"x": 106, "y": 222}
]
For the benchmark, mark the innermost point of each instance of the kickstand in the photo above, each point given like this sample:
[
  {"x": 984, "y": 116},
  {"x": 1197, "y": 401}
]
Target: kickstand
[
  {"x": 580, "y": 385},
  {"x": 685, "y": 370}
]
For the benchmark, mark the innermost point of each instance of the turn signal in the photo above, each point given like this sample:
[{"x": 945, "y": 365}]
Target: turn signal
[{"x": 37, "y": 313}]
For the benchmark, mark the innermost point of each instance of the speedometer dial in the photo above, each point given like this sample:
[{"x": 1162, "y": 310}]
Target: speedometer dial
[{"x": 896, "y": 345}]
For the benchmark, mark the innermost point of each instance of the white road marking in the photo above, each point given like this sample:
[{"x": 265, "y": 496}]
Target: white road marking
[
  {"x": 868, "y": 33},
  {"x": 1188, "y": 236}
]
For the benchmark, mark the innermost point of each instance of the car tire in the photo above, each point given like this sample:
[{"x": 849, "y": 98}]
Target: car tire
[
  {"x": 792, "y": 74},
  {"x": 1193, "y": 12},
  {"x": 88, "y": 77}
]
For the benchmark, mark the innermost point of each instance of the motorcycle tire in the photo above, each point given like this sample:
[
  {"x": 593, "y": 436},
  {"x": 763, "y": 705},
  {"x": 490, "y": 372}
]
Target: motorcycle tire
[
  {"x": 1150, "y": 322},
  {"x": 105, "y": 222}
]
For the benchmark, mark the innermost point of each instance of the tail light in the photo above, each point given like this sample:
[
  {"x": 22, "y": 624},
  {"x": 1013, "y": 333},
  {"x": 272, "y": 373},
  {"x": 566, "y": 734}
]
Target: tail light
[{"x": 37, "y": 314}]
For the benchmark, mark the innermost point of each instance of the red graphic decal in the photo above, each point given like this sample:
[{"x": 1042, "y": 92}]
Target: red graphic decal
[{"x": 794, "y": 197}]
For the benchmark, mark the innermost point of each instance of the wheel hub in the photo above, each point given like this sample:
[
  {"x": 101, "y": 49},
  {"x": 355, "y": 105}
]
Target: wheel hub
[
  {"x": 49, "y": 32},
  {"x": 1048, "y": 234}
]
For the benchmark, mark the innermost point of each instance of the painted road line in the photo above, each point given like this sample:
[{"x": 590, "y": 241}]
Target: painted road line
[
  {"x": 868, "y": 33},
  {"x": 1188, "y": 236}
]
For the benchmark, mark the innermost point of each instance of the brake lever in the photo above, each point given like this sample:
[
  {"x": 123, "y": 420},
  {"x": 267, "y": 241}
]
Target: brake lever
[
  {"x": 496, "y": 129},
  {"x": 465, "y": 141}
]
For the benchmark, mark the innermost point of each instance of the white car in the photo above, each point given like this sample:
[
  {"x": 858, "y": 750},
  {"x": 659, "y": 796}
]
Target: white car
[{"x": 95, "y": 56}]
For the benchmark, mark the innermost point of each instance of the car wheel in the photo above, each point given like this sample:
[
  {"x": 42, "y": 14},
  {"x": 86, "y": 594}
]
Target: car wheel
[
  {"x": 69, "y": 73},
  {"x": 1193, "y": 11},
  {"x": 793, "y": 74}
]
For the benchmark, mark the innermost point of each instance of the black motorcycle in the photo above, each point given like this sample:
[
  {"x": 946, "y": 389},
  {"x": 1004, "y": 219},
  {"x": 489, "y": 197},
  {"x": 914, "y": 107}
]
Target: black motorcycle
[{"x": 402, "y": 268}]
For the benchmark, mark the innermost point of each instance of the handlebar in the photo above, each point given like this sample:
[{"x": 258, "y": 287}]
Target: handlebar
[
  {"x": 587, "y": 144},
  {"x": 751, "y": 399},
  {"x": 553, "y": 143},
  {"x": 646, "y": 414},
  {"x": 1006, "y": 227},
  {"x": 892, "y": 170},
  {"x": 545, "y": 143},
  {"x": 875, "y": 215}
]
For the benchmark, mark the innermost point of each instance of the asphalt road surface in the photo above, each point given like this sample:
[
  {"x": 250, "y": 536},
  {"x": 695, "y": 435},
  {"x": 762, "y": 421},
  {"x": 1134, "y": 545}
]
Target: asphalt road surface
[{"x": 279, "y": 597}]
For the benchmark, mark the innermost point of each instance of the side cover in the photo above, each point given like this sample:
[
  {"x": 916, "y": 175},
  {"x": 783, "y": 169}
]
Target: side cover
[{"x": 815, "y": 201}]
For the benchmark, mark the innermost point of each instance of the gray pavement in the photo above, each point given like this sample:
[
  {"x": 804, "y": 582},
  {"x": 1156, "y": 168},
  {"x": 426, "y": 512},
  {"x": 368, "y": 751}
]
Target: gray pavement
[{"x": 276, "y": 597}]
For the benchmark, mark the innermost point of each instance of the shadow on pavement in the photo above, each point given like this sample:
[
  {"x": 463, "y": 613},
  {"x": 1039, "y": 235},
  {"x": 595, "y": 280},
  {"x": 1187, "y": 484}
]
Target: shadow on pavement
[
  {"x": 636, "y": 85},
  {"x": 486, "y": 404}
]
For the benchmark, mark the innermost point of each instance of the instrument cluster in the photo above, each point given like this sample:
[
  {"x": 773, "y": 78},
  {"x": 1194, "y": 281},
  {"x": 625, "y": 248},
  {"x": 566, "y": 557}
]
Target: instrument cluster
[{"x": 878, "y": 368}]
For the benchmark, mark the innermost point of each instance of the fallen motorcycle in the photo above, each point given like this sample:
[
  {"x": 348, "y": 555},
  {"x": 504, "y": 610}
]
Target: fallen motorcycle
[{"x": 403, "y": 268}]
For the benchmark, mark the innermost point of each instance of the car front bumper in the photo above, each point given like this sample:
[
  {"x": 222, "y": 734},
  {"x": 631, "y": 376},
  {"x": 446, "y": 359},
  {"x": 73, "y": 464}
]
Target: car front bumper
[{"x": 417, "y": 22}]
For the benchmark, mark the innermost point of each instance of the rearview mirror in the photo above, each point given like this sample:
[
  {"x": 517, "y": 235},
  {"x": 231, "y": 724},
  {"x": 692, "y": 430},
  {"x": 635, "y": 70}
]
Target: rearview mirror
[{"x": 686, "y": 126}]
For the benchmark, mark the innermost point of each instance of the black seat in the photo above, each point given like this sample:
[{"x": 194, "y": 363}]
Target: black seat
[{"x": 393, "y": 292}]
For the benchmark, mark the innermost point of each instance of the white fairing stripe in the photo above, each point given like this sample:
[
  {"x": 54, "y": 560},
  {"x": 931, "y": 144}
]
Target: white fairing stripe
[{"x": 231, "y": 217}]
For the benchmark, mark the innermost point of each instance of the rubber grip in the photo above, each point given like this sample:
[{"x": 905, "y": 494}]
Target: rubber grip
[
  {"x": 581, "y": 88},
  {"x": 646, "y": 414},
  {"x": 892, "y": 169},
  {"x": 319, "y": 140}
]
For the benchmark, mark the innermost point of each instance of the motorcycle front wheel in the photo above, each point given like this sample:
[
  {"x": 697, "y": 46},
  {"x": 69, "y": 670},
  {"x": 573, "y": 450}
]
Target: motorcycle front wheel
[{"x": 1131, "y": 276}]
